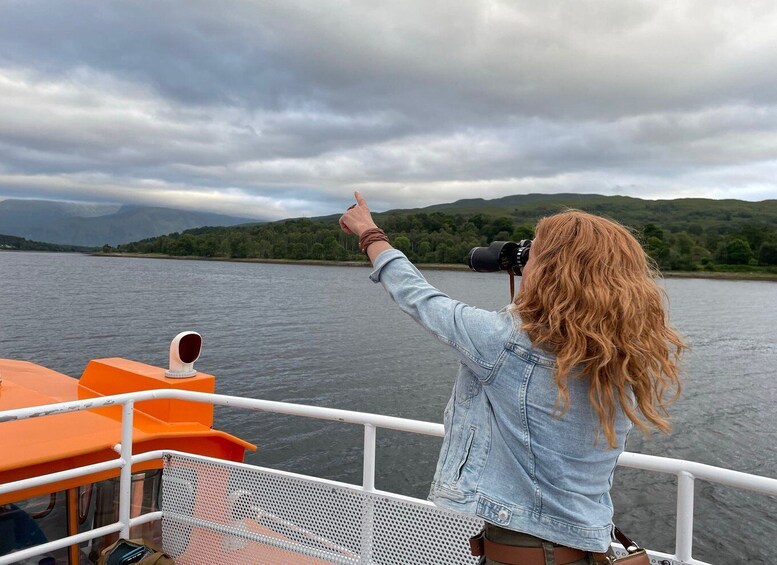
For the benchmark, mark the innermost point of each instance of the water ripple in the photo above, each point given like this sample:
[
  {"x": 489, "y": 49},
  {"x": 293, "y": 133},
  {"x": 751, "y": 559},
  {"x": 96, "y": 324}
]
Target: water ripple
[{"x": 327, "y": 336}]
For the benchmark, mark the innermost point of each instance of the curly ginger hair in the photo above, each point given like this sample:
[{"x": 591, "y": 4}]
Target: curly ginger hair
[{"x": 591, "y": 298}]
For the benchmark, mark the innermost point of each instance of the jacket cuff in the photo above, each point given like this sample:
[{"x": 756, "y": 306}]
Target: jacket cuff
[{"x": 383, "y": 259}]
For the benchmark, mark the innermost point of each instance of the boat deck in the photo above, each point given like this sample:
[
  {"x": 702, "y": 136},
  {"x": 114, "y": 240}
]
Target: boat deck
[{"x": 216, "y": 511}]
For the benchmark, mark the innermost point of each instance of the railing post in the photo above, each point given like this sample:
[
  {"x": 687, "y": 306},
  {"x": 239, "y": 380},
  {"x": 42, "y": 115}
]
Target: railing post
[
  {"x": 684, "y": 531},
  {"x": 125, "y": 476},
  {"x": 368, "y": 474},
  {"x": 368, "y": 483}
]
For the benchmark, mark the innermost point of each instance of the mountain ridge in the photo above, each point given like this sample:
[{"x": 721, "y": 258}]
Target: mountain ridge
[
  {"x": 92, "y": 225},
  {"x": 681, "y": 234}
]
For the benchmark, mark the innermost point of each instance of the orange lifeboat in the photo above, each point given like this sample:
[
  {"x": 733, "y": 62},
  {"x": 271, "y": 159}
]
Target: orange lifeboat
[
  {"x": 41, "y": 445},
  {"x": 38, "y": 446}
]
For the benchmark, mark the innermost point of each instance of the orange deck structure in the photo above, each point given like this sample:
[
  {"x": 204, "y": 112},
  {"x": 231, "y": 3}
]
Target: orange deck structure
[
  {"x": 56, "y": 442},
  {"x": 38, "y": 446}
]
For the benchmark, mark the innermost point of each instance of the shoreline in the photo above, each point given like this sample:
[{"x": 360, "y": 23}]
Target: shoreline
[{"x": 720, "y": 275}]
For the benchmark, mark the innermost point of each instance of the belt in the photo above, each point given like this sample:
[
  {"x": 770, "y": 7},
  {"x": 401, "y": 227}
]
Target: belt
[{"x": 517, "y": 555}]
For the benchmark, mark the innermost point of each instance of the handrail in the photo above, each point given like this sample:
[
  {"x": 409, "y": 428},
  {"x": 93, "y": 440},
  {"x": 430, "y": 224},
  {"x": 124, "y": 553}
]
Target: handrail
[{"x": 686, "y": 471}]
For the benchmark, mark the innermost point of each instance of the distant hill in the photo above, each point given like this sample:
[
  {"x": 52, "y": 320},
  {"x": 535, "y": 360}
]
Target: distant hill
[
  {"x": 94, "y": 225},
  {"x": 673, "y": 214},
  {"x": 13, "y": 243},
  {"x": 685, "y": 234}
]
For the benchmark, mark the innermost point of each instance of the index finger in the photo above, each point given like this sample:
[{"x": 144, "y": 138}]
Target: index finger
[{"x": 359, "y": 200}]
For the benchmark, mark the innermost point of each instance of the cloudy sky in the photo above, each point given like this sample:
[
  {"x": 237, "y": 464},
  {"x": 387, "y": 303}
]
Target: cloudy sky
[{"x": 273, "y": 109}]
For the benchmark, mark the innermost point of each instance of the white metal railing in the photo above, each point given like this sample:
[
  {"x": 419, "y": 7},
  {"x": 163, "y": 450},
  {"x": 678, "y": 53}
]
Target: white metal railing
[{"x": 686, "y": 471}]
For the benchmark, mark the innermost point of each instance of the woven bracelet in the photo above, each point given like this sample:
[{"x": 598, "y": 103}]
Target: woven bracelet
[{"x": 371, "y": 236}]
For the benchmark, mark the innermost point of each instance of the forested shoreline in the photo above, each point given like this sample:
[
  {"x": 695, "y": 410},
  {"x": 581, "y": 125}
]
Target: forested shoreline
[
  {"x": 681, "y": 235},
  {"x": 13, "y": 243}
]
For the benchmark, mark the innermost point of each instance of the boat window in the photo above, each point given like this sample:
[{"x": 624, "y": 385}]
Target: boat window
[
  {"x": 34, "y": 521},
  {"x": 105, "y": 510},
  {"x": 41, "y": 519}
]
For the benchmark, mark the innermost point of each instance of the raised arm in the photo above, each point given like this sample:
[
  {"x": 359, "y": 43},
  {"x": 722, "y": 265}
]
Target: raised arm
[{"x": 476, "y": 335}]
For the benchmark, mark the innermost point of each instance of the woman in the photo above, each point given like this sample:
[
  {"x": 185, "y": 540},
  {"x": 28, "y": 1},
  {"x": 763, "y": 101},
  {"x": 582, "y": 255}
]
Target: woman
[{"x": 548, "y": 388}]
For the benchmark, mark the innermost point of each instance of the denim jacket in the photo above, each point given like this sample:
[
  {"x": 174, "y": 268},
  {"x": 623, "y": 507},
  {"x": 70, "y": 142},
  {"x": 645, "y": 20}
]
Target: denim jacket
[{"x": 507, "y": 456}]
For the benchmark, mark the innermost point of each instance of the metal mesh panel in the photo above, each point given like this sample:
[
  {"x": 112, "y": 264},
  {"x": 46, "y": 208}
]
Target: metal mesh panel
[{"x": 217, "y": 512}]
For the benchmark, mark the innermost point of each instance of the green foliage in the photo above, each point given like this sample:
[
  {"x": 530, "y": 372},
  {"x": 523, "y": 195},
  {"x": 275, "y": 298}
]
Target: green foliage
[
  {"x": 11, "y": 242},
  {"x": 735, "y": 250},
  {"x": 768, "y": 253},
  {"x": 403, "y": 244},
  {"x": 686, "y": 234}
]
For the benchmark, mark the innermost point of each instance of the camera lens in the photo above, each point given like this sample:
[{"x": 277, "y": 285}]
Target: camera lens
[
  {"x": 482, "y": 260},
  {"x": 499, "y": 256}
]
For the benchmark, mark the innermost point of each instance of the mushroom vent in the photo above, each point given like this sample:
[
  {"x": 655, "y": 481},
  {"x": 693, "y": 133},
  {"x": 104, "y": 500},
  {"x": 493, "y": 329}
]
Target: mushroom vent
[{"x": 184, "y": 351}]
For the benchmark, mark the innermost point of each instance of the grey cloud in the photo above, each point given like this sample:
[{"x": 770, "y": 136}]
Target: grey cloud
[
  {"x": 481, "y": 60},
  {"x": 291, "y": 105}
]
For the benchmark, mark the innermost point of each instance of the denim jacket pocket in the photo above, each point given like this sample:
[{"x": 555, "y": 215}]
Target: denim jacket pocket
[
  {"x": 467, "y": 386},
  {"x": 465, "y": 454},
  {"x": 447, "y": 423}
]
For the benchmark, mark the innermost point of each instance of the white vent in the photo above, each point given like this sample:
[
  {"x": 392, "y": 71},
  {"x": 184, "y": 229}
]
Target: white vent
[{"x": 184, "y": 351}]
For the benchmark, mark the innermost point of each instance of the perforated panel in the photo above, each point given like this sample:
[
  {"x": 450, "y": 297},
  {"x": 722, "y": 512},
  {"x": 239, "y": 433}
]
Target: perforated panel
[{"x": 218, "y": 512}]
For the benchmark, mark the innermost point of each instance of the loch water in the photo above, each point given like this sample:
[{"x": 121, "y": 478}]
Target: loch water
[{"x": 328, "y": 336}]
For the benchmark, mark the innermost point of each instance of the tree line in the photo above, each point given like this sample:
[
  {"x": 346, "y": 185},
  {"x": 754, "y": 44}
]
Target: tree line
[
  {"x": 439, "y": 237},
  {"x": 14, "y": 243}
]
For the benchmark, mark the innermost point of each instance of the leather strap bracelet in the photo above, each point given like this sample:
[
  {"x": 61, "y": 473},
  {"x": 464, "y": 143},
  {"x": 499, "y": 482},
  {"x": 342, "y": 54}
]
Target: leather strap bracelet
[{"x": 370, "y": 236}]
